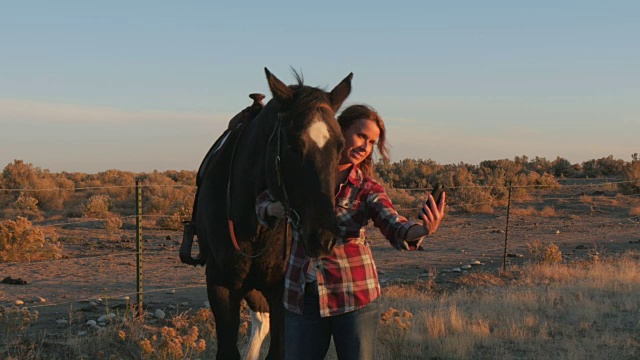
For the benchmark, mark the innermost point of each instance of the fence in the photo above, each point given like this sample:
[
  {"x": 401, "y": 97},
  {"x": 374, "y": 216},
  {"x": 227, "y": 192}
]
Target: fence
[{"x": 586, "y": 206}]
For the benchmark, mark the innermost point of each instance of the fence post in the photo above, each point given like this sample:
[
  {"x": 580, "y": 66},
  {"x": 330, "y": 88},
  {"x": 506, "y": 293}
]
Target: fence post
[
  {"x": 506, "y": 231},
  {"x": 139, "y": 247}
]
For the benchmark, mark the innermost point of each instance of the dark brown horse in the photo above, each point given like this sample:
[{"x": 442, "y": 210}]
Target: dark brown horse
[{"x": 291, "y": 148}]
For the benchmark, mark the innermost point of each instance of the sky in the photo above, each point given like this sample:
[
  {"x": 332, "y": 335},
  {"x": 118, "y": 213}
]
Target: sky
[{"x": 149, "y": 85}]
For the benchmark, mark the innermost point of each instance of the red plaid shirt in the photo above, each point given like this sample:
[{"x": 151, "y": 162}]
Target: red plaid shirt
[{"x": 347, "y": 279}]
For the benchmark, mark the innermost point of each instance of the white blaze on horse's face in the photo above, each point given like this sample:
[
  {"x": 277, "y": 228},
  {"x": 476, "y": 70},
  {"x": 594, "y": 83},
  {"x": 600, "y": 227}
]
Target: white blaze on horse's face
[{"x": 319, "y": 132}]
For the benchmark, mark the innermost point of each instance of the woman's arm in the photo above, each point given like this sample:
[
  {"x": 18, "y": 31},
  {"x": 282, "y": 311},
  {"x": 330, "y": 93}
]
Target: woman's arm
[{"x": 401, "y": 233}]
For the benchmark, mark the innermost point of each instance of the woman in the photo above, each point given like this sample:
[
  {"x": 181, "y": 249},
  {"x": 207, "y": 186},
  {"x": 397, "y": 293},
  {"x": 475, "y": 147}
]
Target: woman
[{"x": 336, "y": 295}]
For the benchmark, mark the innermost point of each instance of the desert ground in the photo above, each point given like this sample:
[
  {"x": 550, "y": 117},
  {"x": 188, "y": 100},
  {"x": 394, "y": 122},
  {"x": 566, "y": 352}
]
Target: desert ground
[{"x": 97, "y": 272}]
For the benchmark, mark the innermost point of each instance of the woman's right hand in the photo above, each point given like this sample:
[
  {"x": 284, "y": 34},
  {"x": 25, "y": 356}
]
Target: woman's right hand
[{"x": 275, "y": 209}]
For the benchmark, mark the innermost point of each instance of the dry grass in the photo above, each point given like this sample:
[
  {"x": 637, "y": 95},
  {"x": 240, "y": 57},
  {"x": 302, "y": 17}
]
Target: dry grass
[
  {"x": 547, "y": 211},
  {"x": 634, "y": 211},
  {"x": 581, "y": 311}
]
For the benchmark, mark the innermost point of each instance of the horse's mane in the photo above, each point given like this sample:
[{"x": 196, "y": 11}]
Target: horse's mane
[{"x": 306, "y": 95}]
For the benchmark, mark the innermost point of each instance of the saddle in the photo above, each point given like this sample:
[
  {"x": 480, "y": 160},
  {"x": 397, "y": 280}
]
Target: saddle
[{"x": 236, "y": 122}]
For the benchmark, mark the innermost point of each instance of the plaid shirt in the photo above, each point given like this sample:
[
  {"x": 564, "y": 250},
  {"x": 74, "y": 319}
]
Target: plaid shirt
[{"x": 347, "y": 278}]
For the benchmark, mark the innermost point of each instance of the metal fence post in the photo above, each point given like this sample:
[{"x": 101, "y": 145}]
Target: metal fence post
[
  {"x": 506, "y": 231},
  {"x": 139, "y": 247}
]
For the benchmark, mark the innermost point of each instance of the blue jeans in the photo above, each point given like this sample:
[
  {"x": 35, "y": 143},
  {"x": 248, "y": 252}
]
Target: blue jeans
[{"x": 308, "y": 336}]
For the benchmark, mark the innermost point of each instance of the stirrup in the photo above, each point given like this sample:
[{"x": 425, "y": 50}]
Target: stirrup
[{"x": 187, "y": 244}]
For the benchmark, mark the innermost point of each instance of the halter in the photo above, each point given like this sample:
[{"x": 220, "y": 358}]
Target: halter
[{"x": 293, "y": 216}]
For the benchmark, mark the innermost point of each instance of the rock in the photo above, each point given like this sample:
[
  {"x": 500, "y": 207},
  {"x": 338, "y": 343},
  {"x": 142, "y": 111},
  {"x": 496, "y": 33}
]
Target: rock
[
  {"x": 171, "y": 292},
  {"x": 93, "y": 303},
  {"x": 557, "y": 232},
  {"x": 11, "y": 281},
  {"x": 92, "y": 323},
  {"x": 82, "y": 333},
  {"x": 159, "y": 314},
  {"x": 184, "y": 303},
  {"x": 125, "y": 298},
  {"x": 466, "y": 267},
  {"x": 171, "y": 307},
  {"x": 456, "y": 270},
  {"x": 476, "y": 262},
  {"x": 106, "y": 317},
  {"x": 62, "y": 322},
  {"x": 207, "y": 305},
  {"x": 19, "y": 303},
  {"x": 425, "y": 275}
]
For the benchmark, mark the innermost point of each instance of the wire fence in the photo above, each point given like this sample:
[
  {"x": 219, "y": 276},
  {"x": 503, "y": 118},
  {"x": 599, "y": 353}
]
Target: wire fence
[{"x": 574, "y": 212}]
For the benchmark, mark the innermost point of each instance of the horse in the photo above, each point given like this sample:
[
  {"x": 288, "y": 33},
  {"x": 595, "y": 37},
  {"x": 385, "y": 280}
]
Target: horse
[{"x": 290, "y": 148}]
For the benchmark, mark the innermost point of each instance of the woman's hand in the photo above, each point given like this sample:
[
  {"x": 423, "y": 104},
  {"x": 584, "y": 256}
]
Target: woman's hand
[
  {"x": 275, "y": 209},
  {"x": 432, "y": 213}
]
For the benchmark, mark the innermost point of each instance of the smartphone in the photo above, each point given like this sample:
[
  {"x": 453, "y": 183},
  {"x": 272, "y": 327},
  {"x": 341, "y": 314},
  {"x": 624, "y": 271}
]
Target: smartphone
[{"x": 437, "y": 191}]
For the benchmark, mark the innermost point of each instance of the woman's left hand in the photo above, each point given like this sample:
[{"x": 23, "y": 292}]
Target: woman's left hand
[{"x": 432, "y": 213}]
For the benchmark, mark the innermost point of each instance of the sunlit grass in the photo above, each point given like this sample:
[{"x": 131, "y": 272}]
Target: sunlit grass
[{"x": 582, "y": 310}]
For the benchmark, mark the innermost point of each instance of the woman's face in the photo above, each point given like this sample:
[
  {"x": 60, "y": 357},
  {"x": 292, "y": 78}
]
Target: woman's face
[{"x": 359, "y": 138}]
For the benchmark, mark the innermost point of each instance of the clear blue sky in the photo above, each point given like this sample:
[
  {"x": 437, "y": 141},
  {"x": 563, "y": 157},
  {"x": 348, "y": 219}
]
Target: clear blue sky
[{"x": 143, "y": 85}]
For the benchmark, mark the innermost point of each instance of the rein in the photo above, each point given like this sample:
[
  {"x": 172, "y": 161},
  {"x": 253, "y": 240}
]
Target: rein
[{"x": 292, "y": 216}]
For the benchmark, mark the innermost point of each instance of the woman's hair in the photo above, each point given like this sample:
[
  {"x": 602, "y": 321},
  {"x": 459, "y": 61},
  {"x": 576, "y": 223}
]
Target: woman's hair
[{"x": 357, "y": 112}]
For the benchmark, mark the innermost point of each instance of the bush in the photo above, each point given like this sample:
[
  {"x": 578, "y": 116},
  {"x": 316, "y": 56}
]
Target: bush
[
  {"x": 113, "y": 224},
  {"x": 178, "y": 212},
  {"x": 545, "y": 255},
  {"x": 20, "y": 241},
  {"x": 97, "y": 206},
  {"x": 25, "y": 206},
  {"x": 631, "y": 176}
]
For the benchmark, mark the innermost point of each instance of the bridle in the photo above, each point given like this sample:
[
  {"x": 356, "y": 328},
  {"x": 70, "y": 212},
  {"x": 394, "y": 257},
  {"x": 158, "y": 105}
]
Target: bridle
[{"x": 292, "y": 215}]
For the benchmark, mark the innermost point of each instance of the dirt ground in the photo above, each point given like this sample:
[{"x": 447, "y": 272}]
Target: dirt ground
[{"x": 97, "y": 268}]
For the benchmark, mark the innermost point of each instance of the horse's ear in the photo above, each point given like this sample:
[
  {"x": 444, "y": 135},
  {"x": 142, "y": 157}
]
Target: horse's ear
[
  {"x": 339, "y": 93},
  {"x": 279, "y": 90}
]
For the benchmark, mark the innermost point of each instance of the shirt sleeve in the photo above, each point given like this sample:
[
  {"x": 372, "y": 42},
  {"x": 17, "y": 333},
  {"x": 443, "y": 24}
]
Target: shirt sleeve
[
  {"x": 262, "y": 201},
  {"x": 394, "y": 227}
]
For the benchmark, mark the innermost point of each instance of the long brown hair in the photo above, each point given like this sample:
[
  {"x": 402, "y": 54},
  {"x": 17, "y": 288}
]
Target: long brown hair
[{"x": 361, "y": 111}]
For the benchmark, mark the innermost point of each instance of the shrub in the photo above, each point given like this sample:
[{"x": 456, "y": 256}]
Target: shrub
[
  {"x": 97, "y": 206},
  {"x": 25, "y": 206},
  {"x": 178, "y": 212},
  {"x": 474, "y": 199},
  {"x": 394, "y": 327},
  {"x": 113, "y": 224},
  {"x": 13, "y": 321},
  {"x": 20, "y": 241},
  {"x": 550, "y": 255},
  {"x": 631, "y": 176}
]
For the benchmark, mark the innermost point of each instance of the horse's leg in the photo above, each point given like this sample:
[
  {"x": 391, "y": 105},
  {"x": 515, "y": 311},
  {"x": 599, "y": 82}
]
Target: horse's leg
[
  {"x": 225, "y": 305},
  {"x": 276, "y": 316},
  {"x": 259, "y": 311}
]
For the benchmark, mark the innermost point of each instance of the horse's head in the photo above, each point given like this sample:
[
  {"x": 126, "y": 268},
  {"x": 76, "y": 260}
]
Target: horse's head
[{"x": 307, "y": 140}]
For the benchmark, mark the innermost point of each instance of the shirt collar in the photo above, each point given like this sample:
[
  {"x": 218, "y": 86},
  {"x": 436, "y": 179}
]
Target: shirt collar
[{"x": 355, "y": 176}]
